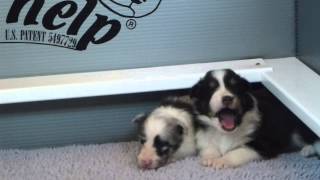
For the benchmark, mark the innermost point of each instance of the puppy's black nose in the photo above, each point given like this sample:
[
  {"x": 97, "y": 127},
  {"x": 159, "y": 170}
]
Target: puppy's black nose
[{"x": 227, "y": 100}]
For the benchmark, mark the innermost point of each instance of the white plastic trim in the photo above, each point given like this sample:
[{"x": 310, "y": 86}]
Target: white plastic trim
[
  {"x": 41, "y": 88},
  {"x": 298, "y": 87}
]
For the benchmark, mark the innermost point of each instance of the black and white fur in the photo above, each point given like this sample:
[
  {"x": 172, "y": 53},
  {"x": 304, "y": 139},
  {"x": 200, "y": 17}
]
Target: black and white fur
[
  {"x": 166, "y": 133},
  {"x": 239, "y": 125}
]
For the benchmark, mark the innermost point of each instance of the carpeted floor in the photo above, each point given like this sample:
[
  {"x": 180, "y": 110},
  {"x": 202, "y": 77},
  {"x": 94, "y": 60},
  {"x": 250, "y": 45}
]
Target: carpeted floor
[{"x": 117, "y": 161}]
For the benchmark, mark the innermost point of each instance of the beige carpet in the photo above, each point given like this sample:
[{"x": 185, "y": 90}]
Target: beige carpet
[{"x": 117, "y": 161}]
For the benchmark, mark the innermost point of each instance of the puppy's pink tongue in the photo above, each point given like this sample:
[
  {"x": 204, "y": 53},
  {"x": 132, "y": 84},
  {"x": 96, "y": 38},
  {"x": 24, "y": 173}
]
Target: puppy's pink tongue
[{"x": 228, "y": 122}]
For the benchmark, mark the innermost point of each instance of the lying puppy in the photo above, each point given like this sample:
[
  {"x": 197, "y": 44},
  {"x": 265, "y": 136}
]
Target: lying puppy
[
  {"x": 166, "y": 133},
  {"x": 239, "y": 126}
]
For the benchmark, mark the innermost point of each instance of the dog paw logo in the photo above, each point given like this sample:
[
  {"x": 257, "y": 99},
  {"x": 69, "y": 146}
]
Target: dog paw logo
[{"x": 131, "y": 8}]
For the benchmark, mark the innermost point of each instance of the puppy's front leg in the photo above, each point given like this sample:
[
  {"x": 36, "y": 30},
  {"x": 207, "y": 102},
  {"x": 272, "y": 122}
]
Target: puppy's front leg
[
  {"x": 207, "y": 149},
  {"x": 209, "y": 155},
  {"x": 236, "y": 158}
]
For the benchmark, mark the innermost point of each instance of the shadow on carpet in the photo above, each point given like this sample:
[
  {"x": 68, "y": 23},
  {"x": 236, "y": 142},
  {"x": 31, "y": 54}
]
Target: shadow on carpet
[{"x": 117, "y": 161}]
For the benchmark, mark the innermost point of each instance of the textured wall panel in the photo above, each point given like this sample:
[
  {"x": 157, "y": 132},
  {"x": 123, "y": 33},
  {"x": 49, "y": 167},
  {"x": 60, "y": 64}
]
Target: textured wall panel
[
  {"x": 308, "y": 34},
  {"x": 178, "y": 32}
]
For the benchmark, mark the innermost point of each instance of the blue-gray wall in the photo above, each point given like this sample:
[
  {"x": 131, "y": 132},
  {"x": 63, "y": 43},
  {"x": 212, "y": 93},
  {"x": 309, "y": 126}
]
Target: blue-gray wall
[
  {"x": 180, "y": 31},
  {"x": 308, "y": 33},
  {"x": 77, "y": 121}
]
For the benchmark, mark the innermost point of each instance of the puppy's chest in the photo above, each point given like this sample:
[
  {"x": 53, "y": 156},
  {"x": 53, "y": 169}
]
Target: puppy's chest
[{"x": 227, "y": 142}]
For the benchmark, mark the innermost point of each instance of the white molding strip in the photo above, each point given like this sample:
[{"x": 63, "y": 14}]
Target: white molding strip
[
  {"x": 298, "y": 87},
  {"x": 41, "y": 88}
]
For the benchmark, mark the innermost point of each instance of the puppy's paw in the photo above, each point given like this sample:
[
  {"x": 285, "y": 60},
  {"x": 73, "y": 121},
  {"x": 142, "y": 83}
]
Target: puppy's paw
[
  {"x": 222, "y": 163},
  {"x": 208, "y": 161},
  {"x": 308, "y": 151},
  {"x": 217, "y": 163}
]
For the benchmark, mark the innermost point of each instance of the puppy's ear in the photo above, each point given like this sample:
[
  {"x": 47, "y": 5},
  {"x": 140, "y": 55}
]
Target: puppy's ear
[
  {"x": 201, "y": 86},
  {"x": 197, "y": 89},
  {"x": 202, "y": 92},
  {"x": 244, "y": 84},
  {"x": 241, "y": 84},
  {"x": 140, "y": 118}
]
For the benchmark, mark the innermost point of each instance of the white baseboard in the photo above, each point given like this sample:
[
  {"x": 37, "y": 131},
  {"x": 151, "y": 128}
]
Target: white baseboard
[{"x": 41, "y": 88}]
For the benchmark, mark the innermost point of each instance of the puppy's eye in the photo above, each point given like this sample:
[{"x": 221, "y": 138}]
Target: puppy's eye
[
  {"x": 142, "y": 141},
  {"x": 165, "y": 149},
  {"x": 212, "y": 84},
  {"x": 233, "y": 81}
]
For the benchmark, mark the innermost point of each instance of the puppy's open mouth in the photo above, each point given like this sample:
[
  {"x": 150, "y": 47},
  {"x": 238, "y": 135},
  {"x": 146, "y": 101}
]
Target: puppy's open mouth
[{"x": 228, "y": 119}]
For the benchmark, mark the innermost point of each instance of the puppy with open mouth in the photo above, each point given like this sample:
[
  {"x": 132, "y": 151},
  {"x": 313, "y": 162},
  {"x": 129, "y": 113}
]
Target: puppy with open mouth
[
  {"x": 239, "y": 125},
  {"x": 166, "y": 133}
]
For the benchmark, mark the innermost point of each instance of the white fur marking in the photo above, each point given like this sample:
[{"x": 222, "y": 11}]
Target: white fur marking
[
  {"x": 308, "y": 151},
  {"x": 297, "y": 140},
  {"x": 216, "y": 99},
  {"x": 236, "y": 158},
  {"x": 316, "y": 146},
  {"x": 311, "y": 150}
]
